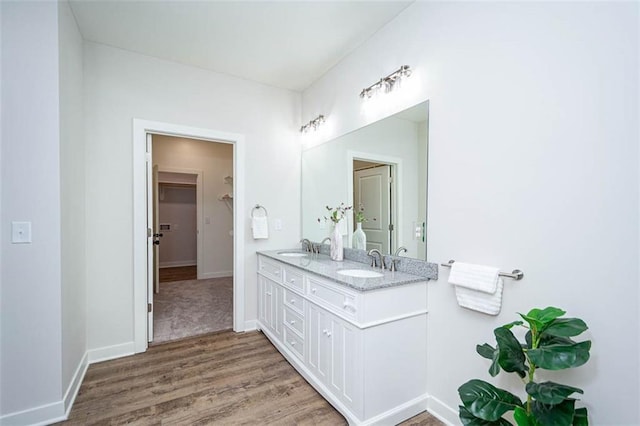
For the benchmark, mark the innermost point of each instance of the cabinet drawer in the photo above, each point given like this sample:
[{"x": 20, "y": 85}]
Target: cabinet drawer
[
  {"x": 294, "y": 342},
  {"x": 294, "y": 301},
  {"x": 270, "y": 269},
  {"x": 293, "y": 279},
  {"x": 336, "y": 299},
  {"x": 294, "y": 320}
]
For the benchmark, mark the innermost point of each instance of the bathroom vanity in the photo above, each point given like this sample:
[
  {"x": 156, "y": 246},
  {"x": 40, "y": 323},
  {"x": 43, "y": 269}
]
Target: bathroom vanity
[{"x": 358, "y": 338}]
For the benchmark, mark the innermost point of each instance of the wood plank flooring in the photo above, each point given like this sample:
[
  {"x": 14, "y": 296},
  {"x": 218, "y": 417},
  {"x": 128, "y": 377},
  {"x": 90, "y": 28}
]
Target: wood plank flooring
[
  {"x": 222, "y": 378},
  {"x": 178, "y": 273}
]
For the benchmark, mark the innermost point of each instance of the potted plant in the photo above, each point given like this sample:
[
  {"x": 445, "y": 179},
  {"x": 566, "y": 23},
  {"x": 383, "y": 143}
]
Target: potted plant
[
  {"x": 336, "y": 214},
  {"x": 548, "y": 345}
]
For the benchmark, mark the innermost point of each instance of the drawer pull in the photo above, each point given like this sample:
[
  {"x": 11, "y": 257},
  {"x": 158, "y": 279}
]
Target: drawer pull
[
  {"x": 324, "y": 331},
  {"x": 313, "y": 290},
  {"x": 328, "y": 334},
  {"x": 292, "y": 322},
  {"x": 293, "y": 301},
  {"x": 292, "y": 343},
  {"x": 292, "y": 280},
  {"x": 349, "y": 307}
]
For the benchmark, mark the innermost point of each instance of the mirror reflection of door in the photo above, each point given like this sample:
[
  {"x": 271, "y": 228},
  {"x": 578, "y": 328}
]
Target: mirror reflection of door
[{"x": 372, "y": 187}]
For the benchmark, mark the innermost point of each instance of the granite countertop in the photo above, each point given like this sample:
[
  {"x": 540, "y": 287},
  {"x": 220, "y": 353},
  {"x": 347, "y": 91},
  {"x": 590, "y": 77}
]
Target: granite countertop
[{"x": 322, "y": 265}]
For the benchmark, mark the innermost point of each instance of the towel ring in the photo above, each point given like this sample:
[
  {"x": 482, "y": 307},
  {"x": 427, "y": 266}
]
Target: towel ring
[
  {"x": 257, "y": 207},
  {"x": 516, "y": 274}
]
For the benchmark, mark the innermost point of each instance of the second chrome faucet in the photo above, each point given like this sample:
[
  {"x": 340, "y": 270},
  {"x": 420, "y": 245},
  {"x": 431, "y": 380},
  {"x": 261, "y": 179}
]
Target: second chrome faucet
[{"x": 373, "y": 253}]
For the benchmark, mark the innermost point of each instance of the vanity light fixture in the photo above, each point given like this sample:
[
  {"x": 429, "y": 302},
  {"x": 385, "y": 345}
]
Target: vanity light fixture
[
  {"x": 313, "y": 124},
  {"x": 386, "y": 83}
]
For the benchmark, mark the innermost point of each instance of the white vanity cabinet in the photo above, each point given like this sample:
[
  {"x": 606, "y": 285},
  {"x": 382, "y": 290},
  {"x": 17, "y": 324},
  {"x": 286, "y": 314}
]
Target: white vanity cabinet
[{"x": 364, "y": 351}]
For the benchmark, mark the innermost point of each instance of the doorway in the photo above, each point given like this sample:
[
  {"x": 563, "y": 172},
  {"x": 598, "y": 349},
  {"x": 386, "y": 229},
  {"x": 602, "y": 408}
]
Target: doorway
[
  {"x": 192, "y": 237},
  {"x": 143, "y": 234},
  {"x": 374, "y": 182}
]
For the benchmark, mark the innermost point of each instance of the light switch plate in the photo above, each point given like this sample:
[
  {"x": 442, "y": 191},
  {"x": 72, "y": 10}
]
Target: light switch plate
[{"x": 21, "y": 232}]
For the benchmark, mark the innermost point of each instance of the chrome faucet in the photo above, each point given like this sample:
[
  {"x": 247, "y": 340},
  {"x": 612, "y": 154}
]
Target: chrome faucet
[
  {"x": 372, "y": 253},
  {"x": 400, "y": 250},
  {"x": 306, "y": 245}
]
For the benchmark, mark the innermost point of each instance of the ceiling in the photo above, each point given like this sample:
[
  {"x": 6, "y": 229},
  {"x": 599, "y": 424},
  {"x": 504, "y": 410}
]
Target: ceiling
[{"x": 287, "y": 44}]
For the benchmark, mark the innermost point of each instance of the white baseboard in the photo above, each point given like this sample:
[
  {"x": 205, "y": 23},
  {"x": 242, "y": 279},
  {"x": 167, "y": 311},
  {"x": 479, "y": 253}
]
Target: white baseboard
[
  {"x": 54, "y": 412},
  {"x": 208, "y": 275},
  {"x": 178, "y": 263},
  {"x": 42, "y": 415},
  {"x": 442, "y": 411},
  {"x": 400, "y": 413},
  {"x": 111, "y": 352},
  {"x": 74, "y": 385},
  {"x": 251, "y": 325}
]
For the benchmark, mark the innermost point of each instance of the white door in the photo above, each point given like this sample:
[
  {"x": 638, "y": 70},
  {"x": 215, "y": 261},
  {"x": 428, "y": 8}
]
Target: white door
[{"x": 372, "y": 190}]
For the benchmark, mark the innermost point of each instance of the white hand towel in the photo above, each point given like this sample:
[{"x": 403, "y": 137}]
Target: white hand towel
[
  {"x": 476, "y": 277},
  {"x": 477, "y": 287},
  {"x": 260, "y": 227}
]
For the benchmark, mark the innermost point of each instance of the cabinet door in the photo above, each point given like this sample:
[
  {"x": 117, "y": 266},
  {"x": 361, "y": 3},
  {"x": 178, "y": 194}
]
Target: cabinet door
[
  {"x": 346, "y": 372},
  {"x": 318, "y": 345},
  {"x": 262, "y": 296},
  {"x": 277, "y": 309}
]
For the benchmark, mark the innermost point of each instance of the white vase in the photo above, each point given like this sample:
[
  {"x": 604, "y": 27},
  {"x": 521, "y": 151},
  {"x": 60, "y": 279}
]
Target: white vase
[
  {"x": 337, "y": 251},
  {"x": 359, "y": 238}
]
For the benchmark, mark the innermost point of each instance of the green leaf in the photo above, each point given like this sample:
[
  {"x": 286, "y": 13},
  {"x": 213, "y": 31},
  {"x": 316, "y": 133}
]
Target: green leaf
[
  {"x": 512, "y": 324},
  {"x": 511, "y": 357},
  {"x": 539, "y": 319},
  {"x": 469, "y": 419},
  {"x": 485, "y": 401},
  {"x": 554, "y": 415},
  {"x": 566, "y": 327},
  {"x": 489, "y": 352},
  {"x": 485, "y": 351},
  {"x": 522, "y": 418},
  {"x": 546, "y": 340},
  {"x": 560, "y": 357},
  {"x": 550, "y": 392},
  {"x": 580, "y": 417}
]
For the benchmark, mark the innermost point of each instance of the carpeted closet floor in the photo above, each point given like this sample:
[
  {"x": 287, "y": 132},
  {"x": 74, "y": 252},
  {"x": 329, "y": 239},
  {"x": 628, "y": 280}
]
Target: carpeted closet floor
[{"x": 191, "y": 307}]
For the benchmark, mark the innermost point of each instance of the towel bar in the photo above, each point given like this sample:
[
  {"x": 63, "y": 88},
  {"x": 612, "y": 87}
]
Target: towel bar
[
  {"x": 258, "y": 206},
  {"x": 516, "y": 274}
]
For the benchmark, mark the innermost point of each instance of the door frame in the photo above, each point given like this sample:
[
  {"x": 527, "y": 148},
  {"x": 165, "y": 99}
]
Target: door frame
[
  {"x": 199, "y": 207},
  {"x": 140, "y": 130},
  {"x": 396, "y": 196}
]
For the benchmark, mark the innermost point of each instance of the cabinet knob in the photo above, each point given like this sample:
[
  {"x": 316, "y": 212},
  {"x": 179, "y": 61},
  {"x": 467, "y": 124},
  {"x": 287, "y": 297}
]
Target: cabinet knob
[
  {"x": 268, "y": 293},
  {"x": 324, "y": 331},
  {"x": 292, "y": 322},
  {"x": 313, "y": 290},
  {"x": 292, "y": 343},
  {"x": 277, "y": 272},
  {"x": 293, "y": 301},
  {"x": 292, "y": 280},
  {"x": 328, "y": 334}
]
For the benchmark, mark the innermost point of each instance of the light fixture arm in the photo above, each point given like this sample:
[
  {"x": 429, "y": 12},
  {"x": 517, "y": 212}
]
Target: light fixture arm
[{"x": 387, "y": 82}]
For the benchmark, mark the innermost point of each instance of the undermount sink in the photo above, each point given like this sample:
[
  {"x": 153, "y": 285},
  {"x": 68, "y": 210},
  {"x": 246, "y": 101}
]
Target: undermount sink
[
  {"x": 292, "y": 254},
  {"x": 360, "y": 273}
]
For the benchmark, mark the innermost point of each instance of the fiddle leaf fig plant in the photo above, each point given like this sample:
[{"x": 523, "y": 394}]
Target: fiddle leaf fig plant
[{"x": 548, "y": 345}]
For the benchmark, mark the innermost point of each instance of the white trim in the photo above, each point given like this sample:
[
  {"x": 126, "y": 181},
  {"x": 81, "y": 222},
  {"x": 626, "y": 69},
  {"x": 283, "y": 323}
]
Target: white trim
[
  {"x": 398, "y": 198},
  {"x": 400, "y": 412},
  {"x": 442, "y": 411},
  {"x": 41, "y": 415},
  {"x": 220, "y": 274},
  {"x": 251, "y": 325},
  {"x": 140, "y": 129},
  {"x": 178, "y": 263},
  {"x": 74, "y": 386},
  {"x": 111, "y": 352}
]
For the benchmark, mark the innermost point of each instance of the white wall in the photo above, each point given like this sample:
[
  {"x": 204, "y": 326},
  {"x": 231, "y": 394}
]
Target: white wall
[
  {"x": 31, "y": 273},
  {"x": 120, "y": 86},
  {"x": 533, "y": 164},
  {"x": 215, "y": 161},
  {"x": 72, "y": 193}
]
